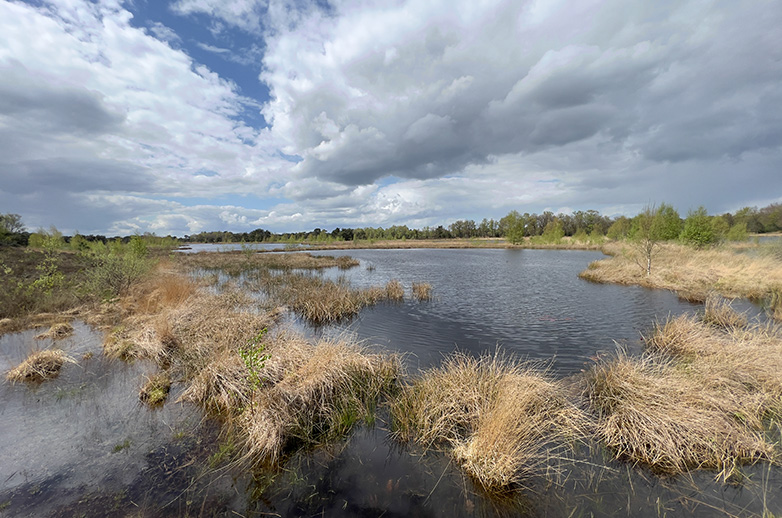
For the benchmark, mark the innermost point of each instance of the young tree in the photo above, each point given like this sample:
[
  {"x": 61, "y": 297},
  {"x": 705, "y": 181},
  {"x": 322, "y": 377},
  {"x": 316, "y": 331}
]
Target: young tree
[
  {"x": 11, "y": 224},
  {"x": 646, "y": 236}
]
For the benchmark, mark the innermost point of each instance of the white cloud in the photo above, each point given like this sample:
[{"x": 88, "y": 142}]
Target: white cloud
[
  {"x": 397, "y": 111},
  {"x": 88, "y": 101},
  {"x": 424, "y": 90}
]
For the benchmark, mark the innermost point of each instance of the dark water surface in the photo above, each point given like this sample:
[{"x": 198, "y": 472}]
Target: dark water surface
[
  {"x": 528, "y": 302},
  {"x": 82, "y": 445}
]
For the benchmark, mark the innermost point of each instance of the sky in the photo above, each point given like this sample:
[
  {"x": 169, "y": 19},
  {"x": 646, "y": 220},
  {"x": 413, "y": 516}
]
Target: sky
[{"x": 175, "y": 117}]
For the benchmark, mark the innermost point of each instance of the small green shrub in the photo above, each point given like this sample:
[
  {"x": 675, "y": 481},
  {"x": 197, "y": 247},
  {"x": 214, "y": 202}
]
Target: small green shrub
[{"x": 254, "y": 357}]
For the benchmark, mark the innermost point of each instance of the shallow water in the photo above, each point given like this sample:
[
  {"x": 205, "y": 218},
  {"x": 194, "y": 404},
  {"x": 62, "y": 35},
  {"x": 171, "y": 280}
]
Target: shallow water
[{"x": 82, "y": 444}]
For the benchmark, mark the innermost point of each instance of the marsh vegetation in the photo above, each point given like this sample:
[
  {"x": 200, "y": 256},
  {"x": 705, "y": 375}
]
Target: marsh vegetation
[{"x": 702, "y": 393}]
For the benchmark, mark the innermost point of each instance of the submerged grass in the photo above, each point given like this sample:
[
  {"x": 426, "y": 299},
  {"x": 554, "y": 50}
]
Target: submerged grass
[
  {"x": 317, "y": 299},
  {"x": 503, "y": 421},
  {"x": 237, "y": 262},
  {"x": 39, "y": 366}
]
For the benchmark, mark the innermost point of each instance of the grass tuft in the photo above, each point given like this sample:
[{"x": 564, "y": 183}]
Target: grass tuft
[
  {"x": 57, "y": 332},
  {"x": 653, "y": 413},
  {"x": 501, "y": 420},
  {"x": 395, "y": 291},
  {"x": 39, "y": 366},
  {"x": 422, "y": 291},
  {"x": 719, "y": 313},
  {"x": 155, "y": 391}
]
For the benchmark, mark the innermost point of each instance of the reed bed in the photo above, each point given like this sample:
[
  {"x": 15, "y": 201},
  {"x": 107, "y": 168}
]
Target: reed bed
[
  {"x": 503, "y": 421},
  {"x": 39, "y": 366},
  {"x": 236, "y": 262},
  {"x": 317, "y": 299},
  {"x": 694, "y": 274}
]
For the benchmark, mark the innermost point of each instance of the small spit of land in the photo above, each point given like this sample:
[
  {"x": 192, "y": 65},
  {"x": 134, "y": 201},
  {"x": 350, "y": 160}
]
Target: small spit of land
[
  {"x": 704, "y": 394},
  {"x": 732, "y": 270}
]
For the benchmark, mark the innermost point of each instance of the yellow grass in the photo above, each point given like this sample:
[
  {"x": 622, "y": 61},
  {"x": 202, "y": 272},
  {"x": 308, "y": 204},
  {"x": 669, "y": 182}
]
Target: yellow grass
[
  {"x": 395, "y": 291},
  {"x": 500, "y": 419},
  {"x": 729, "y": 271},
  {"x": 39, "y": 366},
  {"x": 719, "y": 313}
]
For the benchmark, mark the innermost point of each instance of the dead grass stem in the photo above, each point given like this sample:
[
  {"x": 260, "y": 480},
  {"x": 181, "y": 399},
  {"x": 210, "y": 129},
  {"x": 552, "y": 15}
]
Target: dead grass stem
[{"x": 395, "y": 291}]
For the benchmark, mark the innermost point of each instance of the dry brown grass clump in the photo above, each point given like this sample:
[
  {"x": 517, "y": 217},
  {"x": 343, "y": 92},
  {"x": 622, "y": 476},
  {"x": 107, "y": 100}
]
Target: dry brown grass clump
[
  {"x": 422, "y": 291},
  {"x": 729, "y": 270},
  {"x": 39, "y": 366},
  {"x": 57, "y": 332},
  {"x": 741, "y": 363},
  {"x": 395, "y": 291},
  {"x": 500, "y": 419},
  {"x": 309, "y": 392},
  {"x": 321, "y": 300},
  {"x": 653, "y": 412}
]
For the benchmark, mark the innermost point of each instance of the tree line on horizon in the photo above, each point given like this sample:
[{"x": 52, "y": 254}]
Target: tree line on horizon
[{"x": 514, "y": 227}]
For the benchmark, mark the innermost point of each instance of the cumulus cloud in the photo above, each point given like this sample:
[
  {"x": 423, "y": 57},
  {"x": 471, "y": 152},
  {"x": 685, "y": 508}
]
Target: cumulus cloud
[
  {"x": 386, "y": 112},
  {"x": 100, "y": 106},
  {"x": 423, "y": 90}
]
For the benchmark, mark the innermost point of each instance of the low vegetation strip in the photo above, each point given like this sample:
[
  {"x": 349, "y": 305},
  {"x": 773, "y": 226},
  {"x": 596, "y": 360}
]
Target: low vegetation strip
[
  {"x": 500, "y": 419},
  {"x": 237, "y": 262},
  {"x": 732, "y": 271}
]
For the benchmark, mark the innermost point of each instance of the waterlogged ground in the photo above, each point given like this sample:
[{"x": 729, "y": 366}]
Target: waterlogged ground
[{"x": 82, "y": 444}]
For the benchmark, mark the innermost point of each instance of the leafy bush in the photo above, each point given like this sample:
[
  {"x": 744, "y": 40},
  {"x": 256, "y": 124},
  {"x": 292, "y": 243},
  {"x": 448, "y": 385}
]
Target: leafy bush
[{"x": 698, "y": 229}]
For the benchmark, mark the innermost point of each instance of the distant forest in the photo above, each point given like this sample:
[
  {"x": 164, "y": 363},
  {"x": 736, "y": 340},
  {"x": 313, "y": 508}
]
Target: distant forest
[{"x": 514, "y": 227}]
